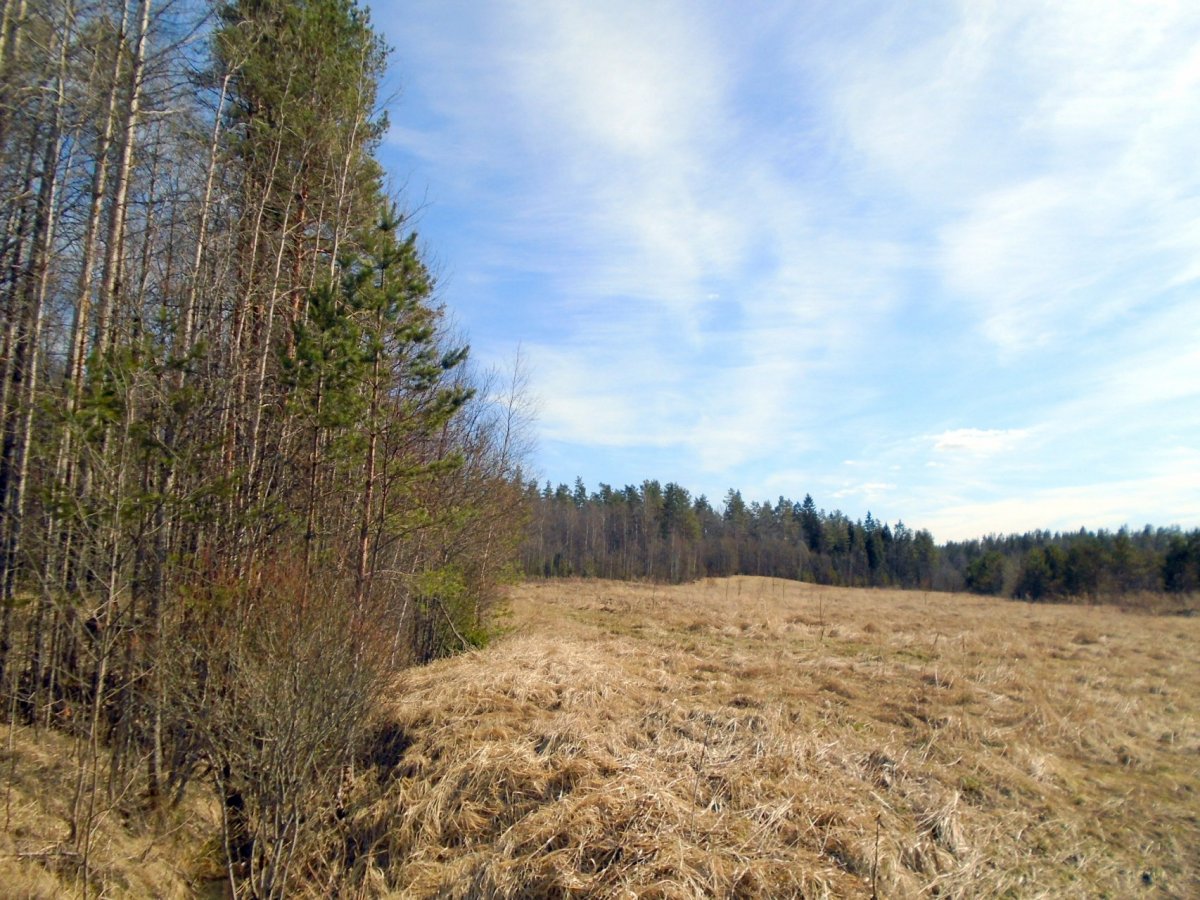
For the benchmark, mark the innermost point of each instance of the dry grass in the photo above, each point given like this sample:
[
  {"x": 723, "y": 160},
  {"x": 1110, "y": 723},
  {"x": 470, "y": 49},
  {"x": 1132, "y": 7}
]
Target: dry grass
[
  {"x": 743, "y": 737},
  {"x": 751, "y": 737},
  {"x": 127, "y": 858}
]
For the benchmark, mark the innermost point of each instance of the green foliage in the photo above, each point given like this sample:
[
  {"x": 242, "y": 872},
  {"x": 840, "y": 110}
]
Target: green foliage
[
  {"x": 453, "y": 619},
  {"x": 652, "y": 531},
  {"x": 246, "y": 472},
  {"x": 1041, "y": 574},
  {"x": 810, "y": 521},
  {"x": 306, "y": 75},
  {"x": 985, "y": 575},
  {"x": 1181, "y": 564}
]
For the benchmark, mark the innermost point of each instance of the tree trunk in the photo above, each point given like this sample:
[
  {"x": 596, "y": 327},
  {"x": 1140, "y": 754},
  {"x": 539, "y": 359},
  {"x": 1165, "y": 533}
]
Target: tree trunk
[{"x": 118, "y": 206}]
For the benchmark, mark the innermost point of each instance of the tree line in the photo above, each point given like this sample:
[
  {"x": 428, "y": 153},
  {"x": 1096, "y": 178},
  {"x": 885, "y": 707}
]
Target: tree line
[
  {"x": 246, "y": 466},
  {"x": 1040, "y": 565},
  {"x": 661, "y": 532}
]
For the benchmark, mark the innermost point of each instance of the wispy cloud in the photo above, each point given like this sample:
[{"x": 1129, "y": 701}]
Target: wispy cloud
[
  {"x": 867, "y": 492},
  {"x": 978, "y": 441},
  {"x": 1163, "y": 497},
  {"x": 955, "y": 242},
  {"x": 1048, "y": 145}
]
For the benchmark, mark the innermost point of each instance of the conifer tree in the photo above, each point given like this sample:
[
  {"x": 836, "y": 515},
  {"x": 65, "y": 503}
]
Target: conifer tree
[{"x": 222, "y": 363}]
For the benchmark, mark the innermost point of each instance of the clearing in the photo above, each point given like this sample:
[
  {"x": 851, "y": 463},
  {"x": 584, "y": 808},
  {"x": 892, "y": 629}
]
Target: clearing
[
  {"x": 753, "y": 737},
  {"x": 742, "y": 737}
]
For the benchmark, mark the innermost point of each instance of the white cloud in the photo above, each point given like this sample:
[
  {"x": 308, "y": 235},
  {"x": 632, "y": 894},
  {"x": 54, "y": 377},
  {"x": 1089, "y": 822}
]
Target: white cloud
[
  {"x": 1017, "y": 252},
  {"x": 749, "y": 248},
  {"x": 1162, "y": 498},
  {"x": 634, "y": 79},
  {"x": 978, "y": 441},
  {"x": 615, "y": 109},
  {"x": 694, "y": 292},
  {"x": 867, "y": 492},
  {"x": 1053, "y": 145}
]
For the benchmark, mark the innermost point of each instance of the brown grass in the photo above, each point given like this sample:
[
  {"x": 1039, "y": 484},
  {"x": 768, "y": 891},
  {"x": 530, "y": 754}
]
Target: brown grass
[
  {"x": 752, "y": 737},
  {"x": 735, "y": 738},
  {"x": 128, "y": 857}
]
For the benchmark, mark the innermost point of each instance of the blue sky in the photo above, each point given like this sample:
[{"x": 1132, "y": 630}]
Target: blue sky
[{"x": 939, "y": 261}]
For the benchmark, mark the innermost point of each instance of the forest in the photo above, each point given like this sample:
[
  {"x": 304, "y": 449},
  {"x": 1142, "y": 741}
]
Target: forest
[
  {"x": 248, "y": 470},
  {"x": 661, "y": 532}
]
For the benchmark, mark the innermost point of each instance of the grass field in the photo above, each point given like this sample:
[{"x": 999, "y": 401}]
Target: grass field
[{"x": 747, "y": 737}]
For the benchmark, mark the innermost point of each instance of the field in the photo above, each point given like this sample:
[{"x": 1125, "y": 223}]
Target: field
[
  {"x": 746, "y": 737},
  {"x": 750, "y": 737}
]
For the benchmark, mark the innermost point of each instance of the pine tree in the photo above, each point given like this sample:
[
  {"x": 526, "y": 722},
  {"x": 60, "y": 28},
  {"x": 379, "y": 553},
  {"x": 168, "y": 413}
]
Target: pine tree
[{"x": 221, "y": 365}]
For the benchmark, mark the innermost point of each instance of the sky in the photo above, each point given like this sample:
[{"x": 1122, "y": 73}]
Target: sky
[{"x": 935, "y": 261}]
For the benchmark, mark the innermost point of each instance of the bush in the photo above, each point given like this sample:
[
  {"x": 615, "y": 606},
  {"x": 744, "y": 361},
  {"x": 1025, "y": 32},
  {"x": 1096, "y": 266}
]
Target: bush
[{"x": 277, "y": 686}]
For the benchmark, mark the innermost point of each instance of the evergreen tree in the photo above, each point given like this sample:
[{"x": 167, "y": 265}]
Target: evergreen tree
[
  {"x": 810, "y": 521},
  {"x": 985, "y": 575},
  {"x": 1181, "y": 564},
  {"x": 235, "y": 434}
]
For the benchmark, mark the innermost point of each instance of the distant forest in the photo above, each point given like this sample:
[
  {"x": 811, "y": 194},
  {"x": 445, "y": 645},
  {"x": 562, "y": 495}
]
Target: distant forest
[{"x": 661, "y": 532}]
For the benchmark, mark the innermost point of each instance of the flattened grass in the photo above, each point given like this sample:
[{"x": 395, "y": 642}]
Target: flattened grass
[
  {"x": 738, "y": 738},
  {"x": 750, "y": 737}
]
